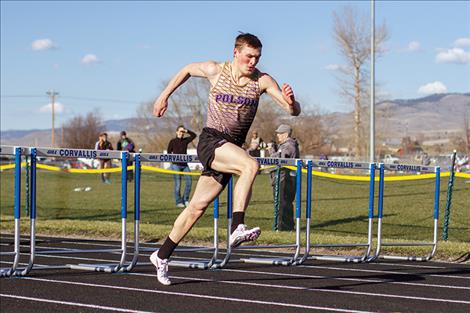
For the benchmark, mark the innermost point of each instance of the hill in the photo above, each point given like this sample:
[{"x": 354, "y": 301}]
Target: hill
[{"x": 433, "y": 118}]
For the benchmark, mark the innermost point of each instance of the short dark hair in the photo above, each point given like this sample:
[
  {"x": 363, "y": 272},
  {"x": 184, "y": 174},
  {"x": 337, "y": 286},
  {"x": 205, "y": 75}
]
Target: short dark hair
[
  {"x": 249, "y": 40},
  {"x": 180, "y": 126},
  {"x": 123, "y": 133}
]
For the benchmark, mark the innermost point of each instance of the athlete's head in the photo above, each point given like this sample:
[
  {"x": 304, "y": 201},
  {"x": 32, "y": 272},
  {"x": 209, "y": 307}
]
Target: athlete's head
[{"x": 247, "y": 52}]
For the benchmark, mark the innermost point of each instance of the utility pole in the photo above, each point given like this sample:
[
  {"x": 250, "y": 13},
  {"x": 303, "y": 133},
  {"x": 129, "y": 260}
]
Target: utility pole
[{"x": 51, "y": 93}]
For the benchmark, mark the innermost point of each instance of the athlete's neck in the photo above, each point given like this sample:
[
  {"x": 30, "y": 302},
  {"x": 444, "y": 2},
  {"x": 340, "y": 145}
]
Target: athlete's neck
[{"x": 237, "y": 74}]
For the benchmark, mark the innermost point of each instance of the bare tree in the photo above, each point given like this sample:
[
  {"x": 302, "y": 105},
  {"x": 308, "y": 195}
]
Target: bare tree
[
  {"x": 466, "y": 130},
  {"x": 352, "y": 35},
  {"x": 81, "y": 132},
  {"x": 311, "y": 133},
  {"x": 267, "y": 119},
  {"x": 187, "y": 106}
]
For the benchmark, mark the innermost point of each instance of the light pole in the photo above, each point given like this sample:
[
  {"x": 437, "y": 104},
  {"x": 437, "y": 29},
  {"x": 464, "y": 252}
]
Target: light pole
[
  {"x": 372, "y": 84},
  {"x": 51, "y": 93}
]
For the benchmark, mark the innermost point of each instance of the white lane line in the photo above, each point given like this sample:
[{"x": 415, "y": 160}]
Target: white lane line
[
  {"x": 246, "y": 254},
  {"x": 412, "y": 265},
  {"x": 154, "y": 245},
  {"x": 325, "y": 290},
  {"x": 360, "y": 280},
  {"x": 296, "y": 287},
  {"x": 379, "y": 271},
  {"x": 93, "y": 306},
  {"x": 193, "y": 295},
  {"x": 253, "y": 285}
]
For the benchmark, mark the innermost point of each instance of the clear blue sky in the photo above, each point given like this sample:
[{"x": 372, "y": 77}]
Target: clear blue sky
[{"x": 124, "y": 50}]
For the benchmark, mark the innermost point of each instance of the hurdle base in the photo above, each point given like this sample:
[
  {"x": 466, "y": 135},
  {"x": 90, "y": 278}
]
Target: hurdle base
[
  {"x": 106, "y": 268},
  {"x": 348, "y": 259},
  {"x": 274, "y": 261},
  {"x": 191, "y": 264},
  {"x": 404, "y": 258}
]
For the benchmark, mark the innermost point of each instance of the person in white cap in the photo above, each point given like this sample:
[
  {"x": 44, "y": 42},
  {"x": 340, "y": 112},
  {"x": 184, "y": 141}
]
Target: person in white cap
[{"x": 288, "y": 147}]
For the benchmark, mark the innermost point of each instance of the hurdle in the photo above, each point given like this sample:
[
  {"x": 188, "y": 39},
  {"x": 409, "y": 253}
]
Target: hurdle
[
  {"x": 123, "y": 265},
  {"x": 196, "y": 264},
  {"x": 366, "y": 246},
  {"x": 285, "y": 261},
  {"x": 413, "y": 169},
  {"x": 17, "y": 152}
]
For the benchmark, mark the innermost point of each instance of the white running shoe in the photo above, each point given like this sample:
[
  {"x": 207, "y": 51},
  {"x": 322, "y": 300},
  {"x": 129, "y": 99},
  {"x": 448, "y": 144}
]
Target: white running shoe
[
  {"x": 241, "y": 235},
  {"x": 162, "y": 268}
]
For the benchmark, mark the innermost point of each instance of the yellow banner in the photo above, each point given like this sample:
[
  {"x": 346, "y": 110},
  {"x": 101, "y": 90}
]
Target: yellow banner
[{"x": 293, "y": 168}]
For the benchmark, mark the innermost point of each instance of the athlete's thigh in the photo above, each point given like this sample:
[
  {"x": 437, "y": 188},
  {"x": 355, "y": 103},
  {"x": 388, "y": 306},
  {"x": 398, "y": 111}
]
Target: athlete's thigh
[
  {"x": 207, "y": 188},
  {"x": 230, "y": 158}
]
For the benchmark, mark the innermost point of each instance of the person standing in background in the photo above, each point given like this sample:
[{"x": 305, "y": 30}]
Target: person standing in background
[
  {"x": 126, "y": 144},
  {"x": 104, "y": 144},
  {"x": 288, "y": 147},
  {"x": 179, "y": 145}
]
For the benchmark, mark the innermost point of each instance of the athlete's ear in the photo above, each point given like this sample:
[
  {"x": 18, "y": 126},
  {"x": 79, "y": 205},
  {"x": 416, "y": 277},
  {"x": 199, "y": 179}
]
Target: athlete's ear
[{"x": 235, "y": 52}]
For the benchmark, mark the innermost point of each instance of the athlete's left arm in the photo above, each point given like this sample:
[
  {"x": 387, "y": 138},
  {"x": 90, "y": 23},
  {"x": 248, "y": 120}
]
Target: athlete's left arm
[{"x": 283, "y": 96}]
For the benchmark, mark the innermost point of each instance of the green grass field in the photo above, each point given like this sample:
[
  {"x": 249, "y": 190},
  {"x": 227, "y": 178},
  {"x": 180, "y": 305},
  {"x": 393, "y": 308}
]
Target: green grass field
[{"x": 339, "y": 210}]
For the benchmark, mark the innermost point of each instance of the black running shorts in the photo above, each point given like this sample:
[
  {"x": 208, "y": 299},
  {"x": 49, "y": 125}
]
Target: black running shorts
[{"x": 209, "y": 140}]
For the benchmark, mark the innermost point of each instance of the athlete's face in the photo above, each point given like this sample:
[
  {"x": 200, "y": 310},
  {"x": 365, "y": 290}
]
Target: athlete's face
[{"x": 247, "y": 58}]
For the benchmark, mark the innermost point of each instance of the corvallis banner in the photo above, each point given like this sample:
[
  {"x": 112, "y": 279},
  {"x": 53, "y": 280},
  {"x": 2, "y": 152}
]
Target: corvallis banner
[
  {"x": 171, "y": 158},
  {"x": 71, "y": 153}
]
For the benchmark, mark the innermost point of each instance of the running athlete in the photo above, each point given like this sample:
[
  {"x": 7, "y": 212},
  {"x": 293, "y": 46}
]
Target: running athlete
[{"x": 236, "y": 87}]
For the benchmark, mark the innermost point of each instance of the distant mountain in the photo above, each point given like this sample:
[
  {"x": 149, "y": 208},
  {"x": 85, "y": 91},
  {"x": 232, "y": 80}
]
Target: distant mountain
[
  {"x": 434, "y": 117},
  {"x": 43, "y": 137},
  {"x": 430, "y": 118}
]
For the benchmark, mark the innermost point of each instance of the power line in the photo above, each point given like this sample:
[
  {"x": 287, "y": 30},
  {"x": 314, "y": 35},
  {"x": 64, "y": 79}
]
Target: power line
[
  {"x": 21, "y": 96},
  {"x": 74, "y": 98},
  {"x": 99, "y": 99}
]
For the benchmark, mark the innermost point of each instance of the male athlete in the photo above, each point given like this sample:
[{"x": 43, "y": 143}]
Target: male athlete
[{"x": 236, "y": 87}]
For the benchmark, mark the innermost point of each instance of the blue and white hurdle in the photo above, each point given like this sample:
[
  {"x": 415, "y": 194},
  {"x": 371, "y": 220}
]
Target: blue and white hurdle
[
  {"x": 199, "y": 264},
  {"x": 123, "y": 265},
  {"x": 18, "y": 152},
  {"x": 367, "y": 246},
  {"x": 295, "y": 258},
  {"x": 413, "y": 169}
]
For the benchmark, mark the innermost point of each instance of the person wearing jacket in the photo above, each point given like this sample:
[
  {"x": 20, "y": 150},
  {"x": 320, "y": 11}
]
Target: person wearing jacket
[{"x": 288, "y": 147}]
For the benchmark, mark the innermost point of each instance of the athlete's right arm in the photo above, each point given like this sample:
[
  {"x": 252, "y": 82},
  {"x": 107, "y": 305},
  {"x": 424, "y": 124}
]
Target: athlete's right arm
[{"x": 209, "y": 70}]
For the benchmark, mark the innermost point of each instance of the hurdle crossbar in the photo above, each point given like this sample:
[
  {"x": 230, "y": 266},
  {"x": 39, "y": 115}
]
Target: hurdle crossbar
[
  {"x": 413, "y": 169},
  {"x": 367, "y": 246}
]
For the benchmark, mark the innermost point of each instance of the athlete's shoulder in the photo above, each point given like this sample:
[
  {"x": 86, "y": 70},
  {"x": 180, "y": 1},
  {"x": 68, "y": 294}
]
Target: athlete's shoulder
[
  {"x": 213, "y": 67},
  {"x": 265, "y": 80}
]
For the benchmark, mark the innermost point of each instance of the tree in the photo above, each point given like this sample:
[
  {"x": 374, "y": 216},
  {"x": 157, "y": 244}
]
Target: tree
[
  {"x": 187, "y": 106},
  {"x": 352, "y": 36},
  {"x": 466, "y": 131},
  {"x": 81, "y": 132},
  {"x": 311, "y": 133}
]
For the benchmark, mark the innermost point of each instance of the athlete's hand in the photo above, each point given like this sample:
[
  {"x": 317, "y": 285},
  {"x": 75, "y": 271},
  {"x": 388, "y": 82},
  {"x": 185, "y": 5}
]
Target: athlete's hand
[
  {"x": 288, "y": 94},
  {"x": 160, "y": 106}
]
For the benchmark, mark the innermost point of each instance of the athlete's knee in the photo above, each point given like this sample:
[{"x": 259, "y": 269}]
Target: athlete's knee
[
  {"x": 197, "y": 207},
  {"x": 250, "y": 167}
]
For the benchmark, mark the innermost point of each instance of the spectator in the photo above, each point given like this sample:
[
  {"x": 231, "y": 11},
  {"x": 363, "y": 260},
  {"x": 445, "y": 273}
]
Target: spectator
[
  {"x": 126, "y": 144},
  {"x": 104, "y": 144},
  {"x": 271, "y": 148},
  {"x": 255, "y": 144},
  {"x": 288, "y": 148},
  {"x": 179, "y": 145}
]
